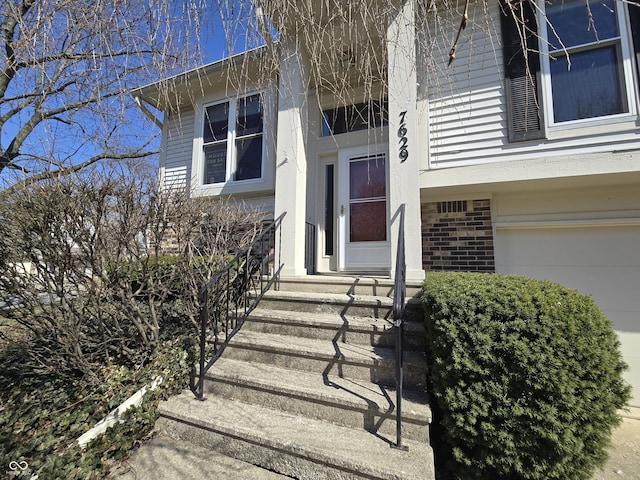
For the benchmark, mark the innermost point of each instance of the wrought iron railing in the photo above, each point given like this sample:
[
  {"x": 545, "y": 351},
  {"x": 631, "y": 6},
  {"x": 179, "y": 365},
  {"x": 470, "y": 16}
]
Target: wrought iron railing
[
  {"x": 399, "y": 297},
  {"x": 230, "y": 295}
]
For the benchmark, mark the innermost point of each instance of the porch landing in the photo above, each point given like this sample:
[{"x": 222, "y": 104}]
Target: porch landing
[{"x": 347, "y": 284}]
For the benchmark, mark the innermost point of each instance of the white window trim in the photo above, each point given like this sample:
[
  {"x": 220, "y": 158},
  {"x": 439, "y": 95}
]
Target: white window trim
[
  {"x": 231, "y": 139},
  {"x": 627, "y": 70}
]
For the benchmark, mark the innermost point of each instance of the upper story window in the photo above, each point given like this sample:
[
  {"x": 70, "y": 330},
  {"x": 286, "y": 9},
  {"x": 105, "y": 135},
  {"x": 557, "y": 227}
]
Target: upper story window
[
  {"x": 577, "y": 68},
  {"x": 585, "y": 61},
  {"x": 351, "y": 118},
  {"x": 232, "y": 140}
]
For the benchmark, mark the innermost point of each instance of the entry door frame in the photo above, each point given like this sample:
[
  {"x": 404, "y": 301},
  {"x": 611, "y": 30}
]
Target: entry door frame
[{"x": 360, "y": 257}]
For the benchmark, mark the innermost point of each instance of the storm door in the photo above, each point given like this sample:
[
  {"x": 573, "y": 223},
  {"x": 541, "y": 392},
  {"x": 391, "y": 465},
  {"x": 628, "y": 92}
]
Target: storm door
[{"x": 363, "y": 211}]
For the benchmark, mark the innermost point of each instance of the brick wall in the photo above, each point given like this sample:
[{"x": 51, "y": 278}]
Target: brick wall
[
  {"x": 170, "y": 244},
  {"x": 457, "y": 236}
]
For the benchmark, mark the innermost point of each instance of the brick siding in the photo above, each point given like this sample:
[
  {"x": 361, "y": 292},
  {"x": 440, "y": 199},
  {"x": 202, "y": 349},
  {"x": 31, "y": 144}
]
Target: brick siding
[
  {"x": 457, "y": 236},
  {"x": 170, "y": 244}
]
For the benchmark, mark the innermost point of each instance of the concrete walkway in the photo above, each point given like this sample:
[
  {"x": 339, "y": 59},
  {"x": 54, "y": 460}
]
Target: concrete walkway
[
  {"x": 166, "y": 459},
  {"x": 624, "y": 453}
]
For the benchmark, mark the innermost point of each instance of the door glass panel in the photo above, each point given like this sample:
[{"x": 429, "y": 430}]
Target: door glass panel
[
  {"x": 367, "y": 178},
  {"x": 368, "y": 221},
  {"x": 367, "y": 200},
  {"x": 328, "y": 210}
]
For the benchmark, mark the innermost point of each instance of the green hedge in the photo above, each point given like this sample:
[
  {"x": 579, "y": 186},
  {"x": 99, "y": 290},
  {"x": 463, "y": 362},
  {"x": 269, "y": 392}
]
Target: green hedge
[
  {"x": 47, "y": 413},
  {"x": 172, "y": 270},
  {"x": 526, "y": 376}
]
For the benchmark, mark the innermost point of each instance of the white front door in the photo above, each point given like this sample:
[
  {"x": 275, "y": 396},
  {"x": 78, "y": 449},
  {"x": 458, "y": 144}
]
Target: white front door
[{"x": 363, "y": 227}]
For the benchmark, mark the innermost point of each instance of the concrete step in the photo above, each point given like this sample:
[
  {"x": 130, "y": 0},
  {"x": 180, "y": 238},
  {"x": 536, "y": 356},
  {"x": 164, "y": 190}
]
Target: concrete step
[
  {"x": 357, "y": 404},
  {"x": 375, "y": 286},
  {"x": 340, "y": 303},
  {"x": 365, "y": 362},
  {"x": 165, "y": 458},
  {"x": 289, "y": 444},
  {"x": 336, "y": 327}
]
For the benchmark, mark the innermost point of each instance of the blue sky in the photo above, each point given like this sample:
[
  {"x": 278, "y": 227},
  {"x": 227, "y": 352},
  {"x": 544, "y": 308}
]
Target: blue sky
[
  {"x": 229, "y": 32},
  {"x": 225, "y": 32}
]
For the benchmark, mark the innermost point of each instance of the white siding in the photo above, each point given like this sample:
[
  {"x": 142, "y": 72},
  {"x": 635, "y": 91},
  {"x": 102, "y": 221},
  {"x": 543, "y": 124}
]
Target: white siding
[
  {"x": 466, "y": 108},
  {"x": 467, "y": 102},
  {"x": 178, "y": 149}
]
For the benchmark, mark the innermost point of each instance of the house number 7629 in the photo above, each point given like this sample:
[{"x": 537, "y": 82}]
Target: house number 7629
[{"x": 402, "y": 134}]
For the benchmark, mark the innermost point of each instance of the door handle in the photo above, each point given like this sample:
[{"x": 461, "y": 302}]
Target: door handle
[{"x": 341, "y": 209}]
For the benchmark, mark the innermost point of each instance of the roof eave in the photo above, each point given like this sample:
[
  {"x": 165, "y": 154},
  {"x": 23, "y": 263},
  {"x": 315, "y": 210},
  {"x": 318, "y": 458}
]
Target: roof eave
[{"x": 157, "y": 95}]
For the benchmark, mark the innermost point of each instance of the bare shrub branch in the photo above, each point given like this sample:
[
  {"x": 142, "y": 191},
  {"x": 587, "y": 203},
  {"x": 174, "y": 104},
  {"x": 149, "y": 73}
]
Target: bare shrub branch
[{"x": 93, "y": 261}]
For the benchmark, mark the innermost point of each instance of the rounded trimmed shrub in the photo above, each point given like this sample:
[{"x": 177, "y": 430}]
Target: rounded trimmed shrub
[{"x": 526, "y": 375}]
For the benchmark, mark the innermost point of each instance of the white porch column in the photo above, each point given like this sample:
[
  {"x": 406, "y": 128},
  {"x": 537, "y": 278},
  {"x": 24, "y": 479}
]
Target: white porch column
[
  {"x": 404, "y": 184},
  {"x": 291, "y": 158}
]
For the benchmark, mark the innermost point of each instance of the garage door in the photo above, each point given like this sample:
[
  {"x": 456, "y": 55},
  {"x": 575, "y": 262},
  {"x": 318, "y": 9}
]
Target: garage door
[{"x": 602, "y": 261}]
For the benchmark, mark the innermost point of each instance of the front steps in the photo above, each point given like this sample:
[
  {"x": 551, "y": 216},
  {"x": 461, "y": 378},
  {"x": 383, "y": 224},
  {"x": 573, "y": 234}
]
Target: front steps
[{"x": 304, "y": 389}]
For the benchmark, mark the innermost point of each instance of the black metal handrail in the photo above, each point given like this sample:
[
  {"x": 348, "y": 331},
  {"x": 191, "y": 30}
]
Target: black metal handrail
[
  {"x": 399, "y": 297},
  {"x": 232, "y": 293}
]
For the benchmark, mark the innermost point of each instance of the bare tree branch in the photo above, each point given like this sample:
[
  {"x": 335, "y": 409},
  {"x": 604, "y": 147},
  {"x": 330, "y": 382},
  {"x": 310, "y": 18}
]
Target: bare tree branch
[
  {"x": 94, "y": 258},
  {"x": 463, "y": 25},
  {"x": 66, "y": 67},
  {"x": 64, "y": 171}
]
